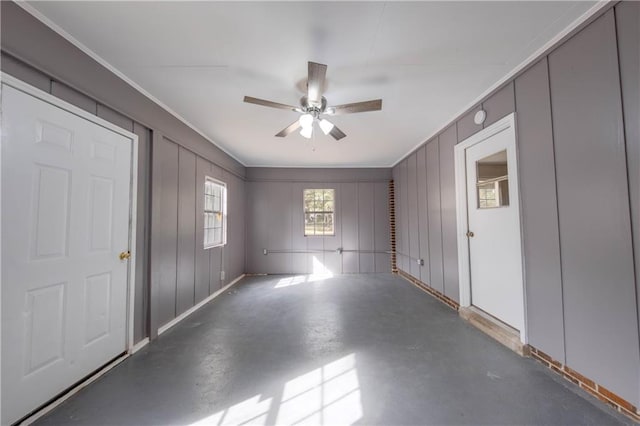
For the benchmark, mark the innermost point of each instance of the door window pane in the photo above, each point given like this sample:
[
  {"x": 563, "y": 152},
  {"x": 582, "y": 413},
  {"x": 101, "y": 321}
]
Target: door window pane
[{"x": 492, "y": 184}]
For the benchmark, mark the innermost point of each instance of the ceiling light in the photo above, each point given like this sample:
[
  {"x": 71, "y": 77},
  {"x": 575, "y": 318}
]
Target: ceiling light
[
  {"x": 307, "y": 131},
  {"x": 306, "y": 120},
  {"x": 326, "y": 126}
]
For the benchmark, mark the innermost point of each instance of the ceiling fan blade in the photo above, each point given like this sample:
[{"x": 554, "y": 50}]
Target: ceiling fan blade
[
  {"x": 375, "y": 105},
  {"x": 337, "y": 134},
  {"x": 315, "y": 82},
  {"x": 256, "y": 101},
  {"x": 289, "y": 129}
]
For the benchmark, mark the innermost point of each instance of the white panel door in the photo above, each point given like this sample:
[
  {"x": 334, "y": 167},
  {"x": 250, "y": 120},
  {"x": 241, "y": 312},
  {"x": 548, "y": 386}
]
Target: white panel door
[
  {"x": 65, "y": 220},
  {"x": 494, "y": 229}
]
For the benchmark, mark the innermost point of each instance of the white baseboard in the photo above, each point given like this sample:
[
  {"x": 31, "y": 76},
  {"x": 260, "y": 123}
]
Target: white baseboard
[
  {"x": 141, "y": 344},
  {"x": 185, "y": 314}
]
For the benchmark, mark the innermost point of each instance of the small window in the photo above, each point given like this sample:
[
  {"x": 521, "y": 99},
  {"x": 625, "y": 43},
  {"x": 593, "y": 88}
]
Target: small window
[
  {"x": 215, "y": 213},
  {"x": 493, "y": 182},
  {"x": 319, "y": 212}
]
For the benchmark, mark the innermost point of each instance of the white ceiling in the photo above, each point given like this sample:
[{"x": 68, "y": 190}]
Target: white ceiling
[{"x": 426, "y": 60}]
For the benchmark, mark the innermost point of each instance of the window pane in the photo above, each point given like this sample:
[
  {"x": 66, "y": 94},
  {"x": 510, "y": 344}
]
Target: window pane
[
  {"x": 328, "y": 206},
  {"x": 309, "y": 228},
  {"x": 492, "y": 183},
  {"x": 328, "y": 194},
  {"x": 214, "y": 213},
  {"x": 328, "y": 223},
  {"x": 318, "y": 209}
]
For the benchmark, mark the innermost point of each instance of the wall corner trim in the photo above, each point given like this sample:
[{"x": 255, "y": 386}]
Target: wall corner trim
[
  {"x": 598, "y": 7},
  {"x": 86, "y": 50}
]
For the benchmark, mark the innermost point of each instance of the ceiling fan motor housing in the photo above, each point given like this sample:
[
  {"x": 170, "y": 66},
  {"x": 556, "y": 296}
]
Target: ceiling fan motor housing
[{"x": 313, "y": 107}]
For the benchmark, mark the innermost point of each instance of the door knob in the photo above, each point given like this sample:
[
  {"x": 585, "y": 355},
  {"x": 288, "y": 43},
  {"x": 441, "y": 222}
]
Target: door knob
[
  {"x": 470, "y": 234},
  {"x": 125, "y": 255}
]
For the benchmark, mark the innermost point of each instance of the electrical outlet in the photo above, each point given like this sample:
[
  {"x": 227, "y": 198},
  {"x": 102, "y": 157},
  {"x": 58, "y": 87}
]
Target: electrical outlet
[{"x": 222, "y": 275}]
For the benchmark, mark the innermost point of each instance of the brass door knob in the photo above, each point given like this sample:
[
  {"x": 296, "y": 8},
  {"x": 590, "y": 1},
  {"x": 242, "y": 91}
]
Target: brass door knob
[
  {"x": 125, "y": 255},
  {"x": 470, "y": 234}
]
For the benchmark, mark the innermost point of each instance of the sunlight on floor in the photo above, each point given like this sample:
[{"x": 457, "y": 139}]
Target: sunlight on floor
[
  {"x": 327, "y": 395},
  {"x": 320, "y": 272},
  {"x": 290, "y": 281}
]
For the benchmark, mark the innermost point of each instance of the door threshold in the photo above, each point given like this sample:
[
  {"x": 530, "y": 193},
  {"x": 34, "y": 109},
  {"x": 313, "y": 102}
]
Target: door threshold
[
  {"x": 65, "y": 395},
  {"x": 493, "y": 327}
]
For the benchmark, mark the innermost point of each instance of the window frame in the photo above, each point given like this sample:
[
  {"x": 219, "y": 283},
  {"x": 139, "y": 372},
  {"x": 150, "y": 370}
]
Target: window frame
[
  {"x": 333, "y": 213},
  {"x": 223, "y": 212}
]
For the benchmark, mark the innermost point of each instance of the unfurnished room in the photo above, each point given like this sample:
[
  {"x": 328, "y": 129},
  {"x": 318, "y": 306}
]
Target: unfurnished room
[{"x": 320, "y": 212}]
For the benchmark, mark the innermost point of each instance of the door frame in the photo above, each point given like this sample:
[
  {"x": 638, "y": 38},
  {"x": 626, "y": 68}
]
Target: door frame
[
  {"x": 506, "y": 124},
  {"x": 6, "y": 79}
]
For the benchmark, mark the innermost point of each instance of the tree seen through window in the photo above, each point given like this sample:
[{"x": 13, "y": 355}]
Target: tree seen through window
[{"x": 319, "y": 213}]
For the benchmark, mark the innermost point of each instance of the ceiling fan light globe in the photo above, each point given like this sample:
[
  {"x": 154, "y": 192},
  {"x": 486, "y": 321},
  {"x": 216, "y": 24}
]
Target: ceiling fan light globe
[
  {"x": 307, "y": 132},
  {"x": 326, "y": 126},
  {"x": 306, "y": 121}
]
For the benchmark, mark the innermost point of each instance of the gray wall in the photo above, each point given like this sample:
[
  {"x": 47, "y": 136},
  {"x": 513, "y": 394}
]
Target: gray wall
[
  {"x": 275, "y": 221},
  {"x": 35, "y": 54},
  {"x": 425, "y": 209},
  {"x": 182, "y": 271},
  {"x": 579, "y": 154}
]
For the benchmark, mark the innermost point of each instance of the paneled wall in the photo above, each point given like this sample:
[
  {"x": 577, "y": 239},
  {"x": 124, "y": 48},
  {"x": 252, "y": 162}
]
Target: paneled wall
[
  {"x": 275, "y": 221},
  {"x": 427, "y": 247},
  {"x": 183, "y": 272},
  {"x": 578, "y": 141},
  {"x": 49, "y": 62}
]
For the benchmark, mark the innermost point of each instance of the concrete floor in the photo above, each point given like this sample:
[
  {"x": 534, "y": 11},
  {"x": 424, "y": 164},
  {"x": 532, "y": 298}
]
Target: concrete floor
[{"x": 353, "y": 349}]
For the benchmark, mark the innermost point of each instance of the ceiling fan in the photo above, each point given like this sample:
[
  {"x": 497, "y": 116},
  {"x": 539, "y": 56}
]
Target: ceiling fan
[{"x": 313, "y": 106}]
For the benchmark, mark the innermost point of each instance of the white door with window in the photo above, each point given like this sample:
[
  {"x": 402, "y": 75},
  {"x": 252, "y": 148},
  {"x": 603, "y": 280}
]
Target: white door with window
[
  {"x": 493, "y": 227},
  {"x": 66, "y": 190}
]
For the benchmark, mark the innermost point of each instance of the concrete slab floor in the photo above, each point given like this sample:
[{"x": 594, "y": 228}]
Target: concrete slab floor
[{"x": 351, "y": 349}]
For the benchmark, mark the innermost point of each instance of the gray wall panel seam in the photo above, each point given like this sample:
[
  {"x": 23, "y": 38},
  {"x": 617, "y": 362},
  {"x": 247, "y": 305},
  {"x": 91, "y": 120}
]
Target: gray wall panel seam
[
  {"x": 624, "y": 135},
  {"x": 357, "y": 225},
  {"x": 555, "y": 170},
  {"x": 175, "y": 303},
  {"x": 426, "y": 196},
  {"x": 441, "y": 230},
  {"x": 195, "y": 229}
]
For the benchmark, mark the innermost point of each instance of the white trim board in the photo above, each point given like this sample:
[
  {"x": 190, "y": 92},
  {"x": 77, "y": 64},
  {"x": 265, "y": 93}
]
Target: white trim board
[
  {"x": 188, "y": 312},
  {"x": 57, "y": 29},
  {"x": 506, "y": 124},
  {"x": 138, "y": 346},
  {"x": 535, "y": 56}
]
